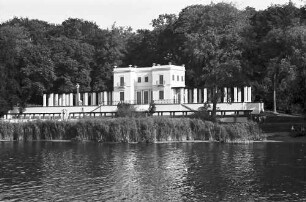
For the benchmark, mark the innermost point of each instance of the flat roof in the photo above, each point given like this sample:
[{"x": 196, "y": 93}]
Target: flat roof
[{"x": 153, "y": 68}]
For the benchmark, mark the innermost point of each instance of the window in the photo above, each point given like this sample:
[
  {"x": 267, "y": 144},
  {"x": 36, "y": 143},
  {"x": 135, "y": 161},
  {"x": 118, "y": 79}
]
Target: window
[
  {"x": 122, "y": 81},
  {"x": 146, "y": 79},
  {"x": 161, "y": 94},
  {"x": 121, "y": 96},
  {"x": 138, "y": 97},
  {"x": 173, "y": 77},
  {"x": 161, "y": 79},
  {"x": 146, "y": 97},
  {"x": 178, "y": 78},
  {"x": 139, "y": 79},
  {"x": 182, "y": 78}
]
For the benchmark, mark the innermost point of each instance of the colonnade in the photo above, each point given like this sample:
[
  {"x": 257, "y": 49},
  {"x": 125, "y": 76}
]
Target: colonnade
[
  {"x": 70, "y": 99},
  {"x": 234, "y": 94},
  {"x": 196, "y": 95}
]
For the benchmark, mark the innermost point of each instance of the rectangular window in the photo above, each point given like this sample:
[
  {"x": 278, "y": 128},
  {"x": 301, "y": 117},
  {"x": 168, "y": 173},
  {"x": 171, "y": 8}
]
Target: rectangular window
[
  {"x": 161, "y": 94},
  {"x": 182, "y": 78},
  {"x": 178, "y": 78},
  {"x": 138, "y": 98},
  {"x": 146, "y": 97},
  {"x": 121, "y": 96},
  {"x": 139, "y": 79},
  {"x": 122, "y": 81},
  {"x": 161, "y": 79},
  {"x": 146, "y": 79},
  {"x": 173, "y": 77}
]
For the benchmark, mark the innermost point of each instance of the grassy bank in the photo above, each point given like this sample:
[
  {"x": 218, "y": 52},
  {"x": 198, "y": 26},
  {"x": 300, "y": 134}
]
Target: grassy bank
[
  {"x": 148, "y": 129},
  {"x": 276, "y": 123}
]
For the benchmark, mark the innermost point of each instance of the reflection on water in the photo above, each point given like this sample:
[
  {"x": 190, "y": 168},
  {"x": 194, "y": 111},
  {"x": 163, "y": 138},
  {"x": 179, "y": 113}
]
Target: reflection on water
[{"x": 46, "y": 171}]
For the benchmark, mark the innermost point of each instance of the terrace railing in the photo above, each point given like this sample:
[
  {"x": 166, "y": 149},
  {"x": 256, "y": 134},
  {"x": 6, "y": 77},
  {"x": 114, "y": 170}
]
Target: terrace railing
[{"x": 111, "y": 114}]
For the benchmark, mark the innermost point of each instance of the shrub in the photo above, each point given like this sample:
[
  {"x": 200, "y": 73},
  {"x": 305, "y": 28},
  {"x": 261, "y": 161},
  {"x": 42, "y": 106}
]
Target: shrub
[
  {"x": 125, "y": 110},
  {"x": 202, "y": 113}
]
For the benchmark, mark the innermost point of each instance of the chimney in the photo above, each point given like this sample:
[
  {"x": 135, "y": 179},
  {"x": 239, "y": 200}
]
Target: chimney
[
  {"x": 154, "y": 64},
  {"x": 130, "y": 65},
  {"x": 170, "y": 63},
  {"x": 183, "y": 65},
  {"x": 115, "y": 66},
  {"x": 158, "y": 64}
]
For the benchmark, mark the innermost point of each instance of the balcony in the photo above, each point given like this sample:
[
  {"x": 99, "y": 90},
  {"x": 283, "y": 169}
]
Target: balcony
[
  {"x": 121, "y": 85},
  {"x": 160, "y": 83}
]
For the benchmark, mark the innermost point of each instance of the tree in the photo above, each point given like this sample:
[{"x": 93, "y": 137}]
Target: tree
[
  {"x": 278, "y": 70},
  {"x": 37, "y": 72},
  {"x": 72, "y": 60},
  {"x": 211, "y": 37},
  {"x": 110, "y": 51},
  {"x": 13, "y": 39},
  {"x": 270, "y": 53},
  {"x": 296, "y": 88}
]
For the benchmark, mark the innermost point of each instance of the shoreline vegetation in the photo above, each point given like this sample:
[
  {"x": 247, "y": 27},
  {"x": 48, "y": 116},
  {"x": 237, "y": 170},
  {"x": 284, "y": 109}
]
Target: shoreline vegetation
[{"x": 132, "y": 130}]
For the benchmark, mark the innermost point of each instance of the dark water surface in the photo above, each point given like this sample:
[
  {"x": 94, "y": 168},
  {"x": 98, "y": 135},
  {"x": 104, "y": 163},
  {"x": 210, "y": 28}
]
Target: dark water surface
[{"x": 49, "y": 171}]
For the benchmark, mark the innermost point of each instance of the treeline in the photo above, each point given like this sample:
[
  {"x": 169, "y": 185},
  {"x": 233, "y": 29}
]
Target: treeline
[{"x": 219, "y": 45}]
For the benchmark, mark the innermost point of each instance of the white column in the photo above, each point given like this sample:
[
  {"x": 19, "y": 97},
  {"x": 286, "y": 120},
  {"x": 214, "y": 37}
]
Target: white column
[
  {"x": 71, "y": 99},
  {"x": 185, "y": 95},
  {"x": 195, "y": 95},
  {"x": 235, "y": 94},
  {"x": 85, "y": 99},
  {"x": 51, "y": 100},
  {"x": 249, "y": 94},
  {"x": 205, "y": 95},
  {"x": 105, "y": 98},
  {"x": 245, "y": 94},
  {"x": 225, "y": 95},
  {"x": 45, "y": 100},
  {"x": 93, "y": 99},
  {"x": 55, "y": 99},
  {"x": 60, "y": 99},
  {"x": 182, "y": 95},
  {"x": 64, "y": 99},
  {"x": 239, "y": 95}
]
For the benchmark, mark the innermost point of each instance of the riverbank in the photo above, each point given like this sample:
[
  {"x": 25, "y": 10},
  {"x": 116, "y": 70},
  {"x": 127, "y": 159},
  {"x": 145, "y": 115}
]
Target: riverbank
[
  {"x": 277, "y": 127},
  {"x": 131, "y": 130},
  {"x": 284, "y": 137}
]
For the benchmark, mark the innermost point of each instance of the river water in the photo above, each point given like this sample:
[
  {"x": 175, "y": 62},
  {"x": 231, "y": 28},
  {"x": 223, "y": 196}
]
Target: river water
[{"x": 53, "y": 171}]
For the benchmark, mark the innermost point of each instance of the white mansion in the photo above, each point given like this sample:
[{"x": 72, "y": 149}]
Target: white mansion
[{"x": 161, "y": 84}]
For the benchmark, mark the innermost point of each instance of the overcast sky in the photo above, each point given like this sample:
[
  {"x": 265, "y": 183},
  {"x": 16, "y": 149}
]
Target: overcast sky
[{"x": 135, "y": 13}]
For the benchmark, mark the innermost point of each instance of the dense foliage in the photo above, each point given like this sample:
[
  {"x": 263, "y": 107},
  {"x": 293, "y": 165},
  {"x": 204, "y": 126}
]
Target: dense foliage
[
  {"x": 219, "y": 44},
  {"x": 150, "y": 129}
]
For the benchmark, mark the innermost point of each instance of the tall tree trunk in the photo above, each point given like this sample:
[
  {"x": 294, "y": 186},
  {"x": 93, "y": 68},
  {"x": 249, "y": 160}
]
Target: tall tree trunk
[
  {"x": 274, "y": 94},
  {"x": 214, "y": 102}
]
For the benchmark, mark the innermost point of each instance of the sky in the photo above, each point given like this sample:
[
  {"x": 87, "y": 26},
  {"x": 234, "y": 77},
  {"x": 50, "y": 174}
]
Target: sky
[{"x": 137, "y": 14}]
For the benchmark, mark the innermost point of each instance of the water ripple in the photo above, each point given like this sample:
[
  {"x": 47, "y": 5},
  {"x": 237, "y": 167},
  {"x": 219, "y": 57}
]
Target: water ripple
[{"x": 152, "y": 172}]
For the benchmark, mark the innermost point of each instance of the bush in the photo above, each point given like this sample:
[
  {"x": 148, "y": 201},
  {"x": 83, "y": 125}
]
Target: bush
[
  {"x": 128, "y": 110},
  {"x": 202, "y": 113},
  {"x": 152, "y": 108}
]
